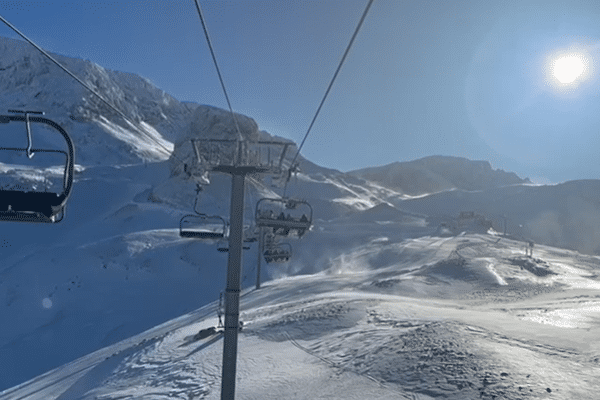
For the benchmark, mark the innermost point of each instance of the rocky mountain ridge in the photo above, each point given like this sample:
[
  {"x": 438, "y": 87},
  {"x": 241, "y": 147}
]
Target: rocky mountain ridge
[{"x": 438, "y": 173}]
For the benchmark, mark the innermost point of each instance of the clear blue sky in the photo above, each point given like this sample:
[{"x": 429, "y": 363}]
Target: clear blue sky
[{"x": 464, "y": 78}]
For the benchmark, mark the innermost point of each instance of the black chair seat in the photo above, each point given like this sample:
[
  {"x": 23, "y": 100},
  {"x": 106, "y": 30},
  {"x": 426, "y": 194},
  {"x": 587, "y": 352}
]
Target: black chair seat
[
  {"x": 46, "y": 203},
  {"x": 200, "y": 234}
]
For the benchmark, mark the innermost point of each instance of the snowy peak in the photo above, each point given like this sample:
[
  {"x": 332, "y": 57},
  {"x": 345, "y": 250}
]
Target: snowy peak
[
  {"x": 216, "y": 123},
  {"x": 28, "y": 80},
  {"x": 26, "y": 71},
  {"x": 437, "y": 173}
]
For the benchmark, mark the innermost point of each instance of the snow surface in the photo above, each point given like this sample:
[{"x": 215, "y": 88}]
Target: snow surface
[
  {"x": 380, "y": 299},
  {"x": 440, "y": 322}
]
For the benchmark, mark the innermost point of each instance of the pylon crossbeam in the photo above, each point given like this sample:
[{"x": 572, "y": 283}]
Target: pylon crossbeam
[{"x": 221, "y": 155}]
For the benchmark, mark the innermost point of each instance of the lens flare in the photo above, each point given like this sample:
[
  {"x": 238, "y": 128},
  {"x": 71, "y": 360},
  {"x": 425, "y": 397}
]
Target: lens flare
[{"x": 47, "y": 303}]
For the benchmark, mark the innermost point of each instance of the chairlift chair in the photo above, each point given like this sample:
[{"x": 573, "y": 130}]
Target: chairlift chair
[
  {"x": 278, "y": 253},
  {"x": 284, "y": 215},
  {"x": 37, "y": 206},
  {"x": 202, "y": 226}
]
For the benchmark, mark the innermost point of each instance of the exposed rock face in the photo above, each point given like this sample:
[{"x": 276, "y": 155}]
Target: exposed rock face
[
  {"x": 210, "y": 123},
  {"x": 436, "y": 173},
  {"x": 28, "y": 80},
  {"x": 216, "y": 123}
]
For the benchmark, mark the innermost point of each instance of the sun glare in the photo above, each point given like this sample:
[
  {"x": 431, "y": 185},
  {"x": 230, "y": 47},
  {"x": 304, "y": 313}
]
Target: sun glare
[{"x": 568, "y": 68}]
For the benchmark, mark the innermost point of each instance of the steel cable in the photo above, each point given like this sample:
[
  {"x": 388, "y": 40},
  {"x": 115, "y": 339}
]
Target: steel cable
[
  {"x": 364, "y": 15},
  {"x": 212, "y": 53}
]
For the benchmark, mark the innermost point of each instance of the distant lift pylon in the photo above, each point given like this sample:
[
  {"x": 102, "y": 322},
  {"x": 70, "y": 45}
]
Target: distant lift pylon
[{"x": 32, "y": 205}]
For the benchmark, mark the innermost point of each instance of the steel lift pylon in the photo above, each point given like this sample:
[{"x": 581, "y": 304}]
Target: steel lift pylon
[{"x": 237, "y": 158}]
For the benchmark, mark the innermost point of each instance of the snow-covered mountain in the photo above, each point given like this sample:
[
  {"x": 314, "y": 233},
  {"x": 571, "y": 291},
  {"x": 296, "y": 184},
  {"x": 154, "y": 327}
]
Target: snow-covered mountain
[
  {"x": 31, "y": 80},
  {"x": 439, "y": 173},
  {"x": 116, "y": 266}
]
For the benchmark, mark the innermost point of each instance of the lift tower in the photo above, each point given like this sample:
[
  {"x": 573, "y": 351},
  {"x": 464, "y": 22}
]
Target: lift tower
[{"x": 237, "y": 158}]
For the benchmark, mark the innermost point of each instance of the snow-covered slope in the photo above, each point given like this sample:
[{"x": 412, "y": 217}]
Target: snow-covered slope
[
  {"x": 564, "y": 215},
  {"x": 466, "y": 317}
]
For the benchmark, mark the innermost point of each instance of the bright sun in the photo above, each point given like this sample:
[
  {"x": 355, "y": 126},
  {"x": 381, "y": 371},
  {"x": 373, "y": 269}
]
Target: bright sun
[{"x": 568, "y": 68}]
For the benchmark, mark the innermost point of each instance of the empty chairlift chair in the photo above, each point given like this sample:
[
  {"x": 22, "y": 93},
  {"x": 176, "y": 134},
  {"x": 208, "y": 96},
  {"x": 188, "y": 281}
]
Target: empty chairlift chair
[
  {"x": 201, "y": 226},
  {"x": 284, "y": 216},
  {"x": 31, "y": 205}
]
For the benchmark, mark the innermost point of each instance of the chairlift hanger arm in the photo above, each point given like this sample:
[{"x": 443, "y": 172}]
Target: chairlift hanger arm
[
  {"x": 27, "y": 128},
  {"x": 285, "y": 147}
]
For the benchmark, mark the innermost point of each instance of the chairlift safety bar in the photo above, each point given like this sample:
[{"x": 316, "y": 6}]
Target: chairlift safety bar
[
  {"x": 69, "y": 154},
  {"x": 34, "y": 206}
]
